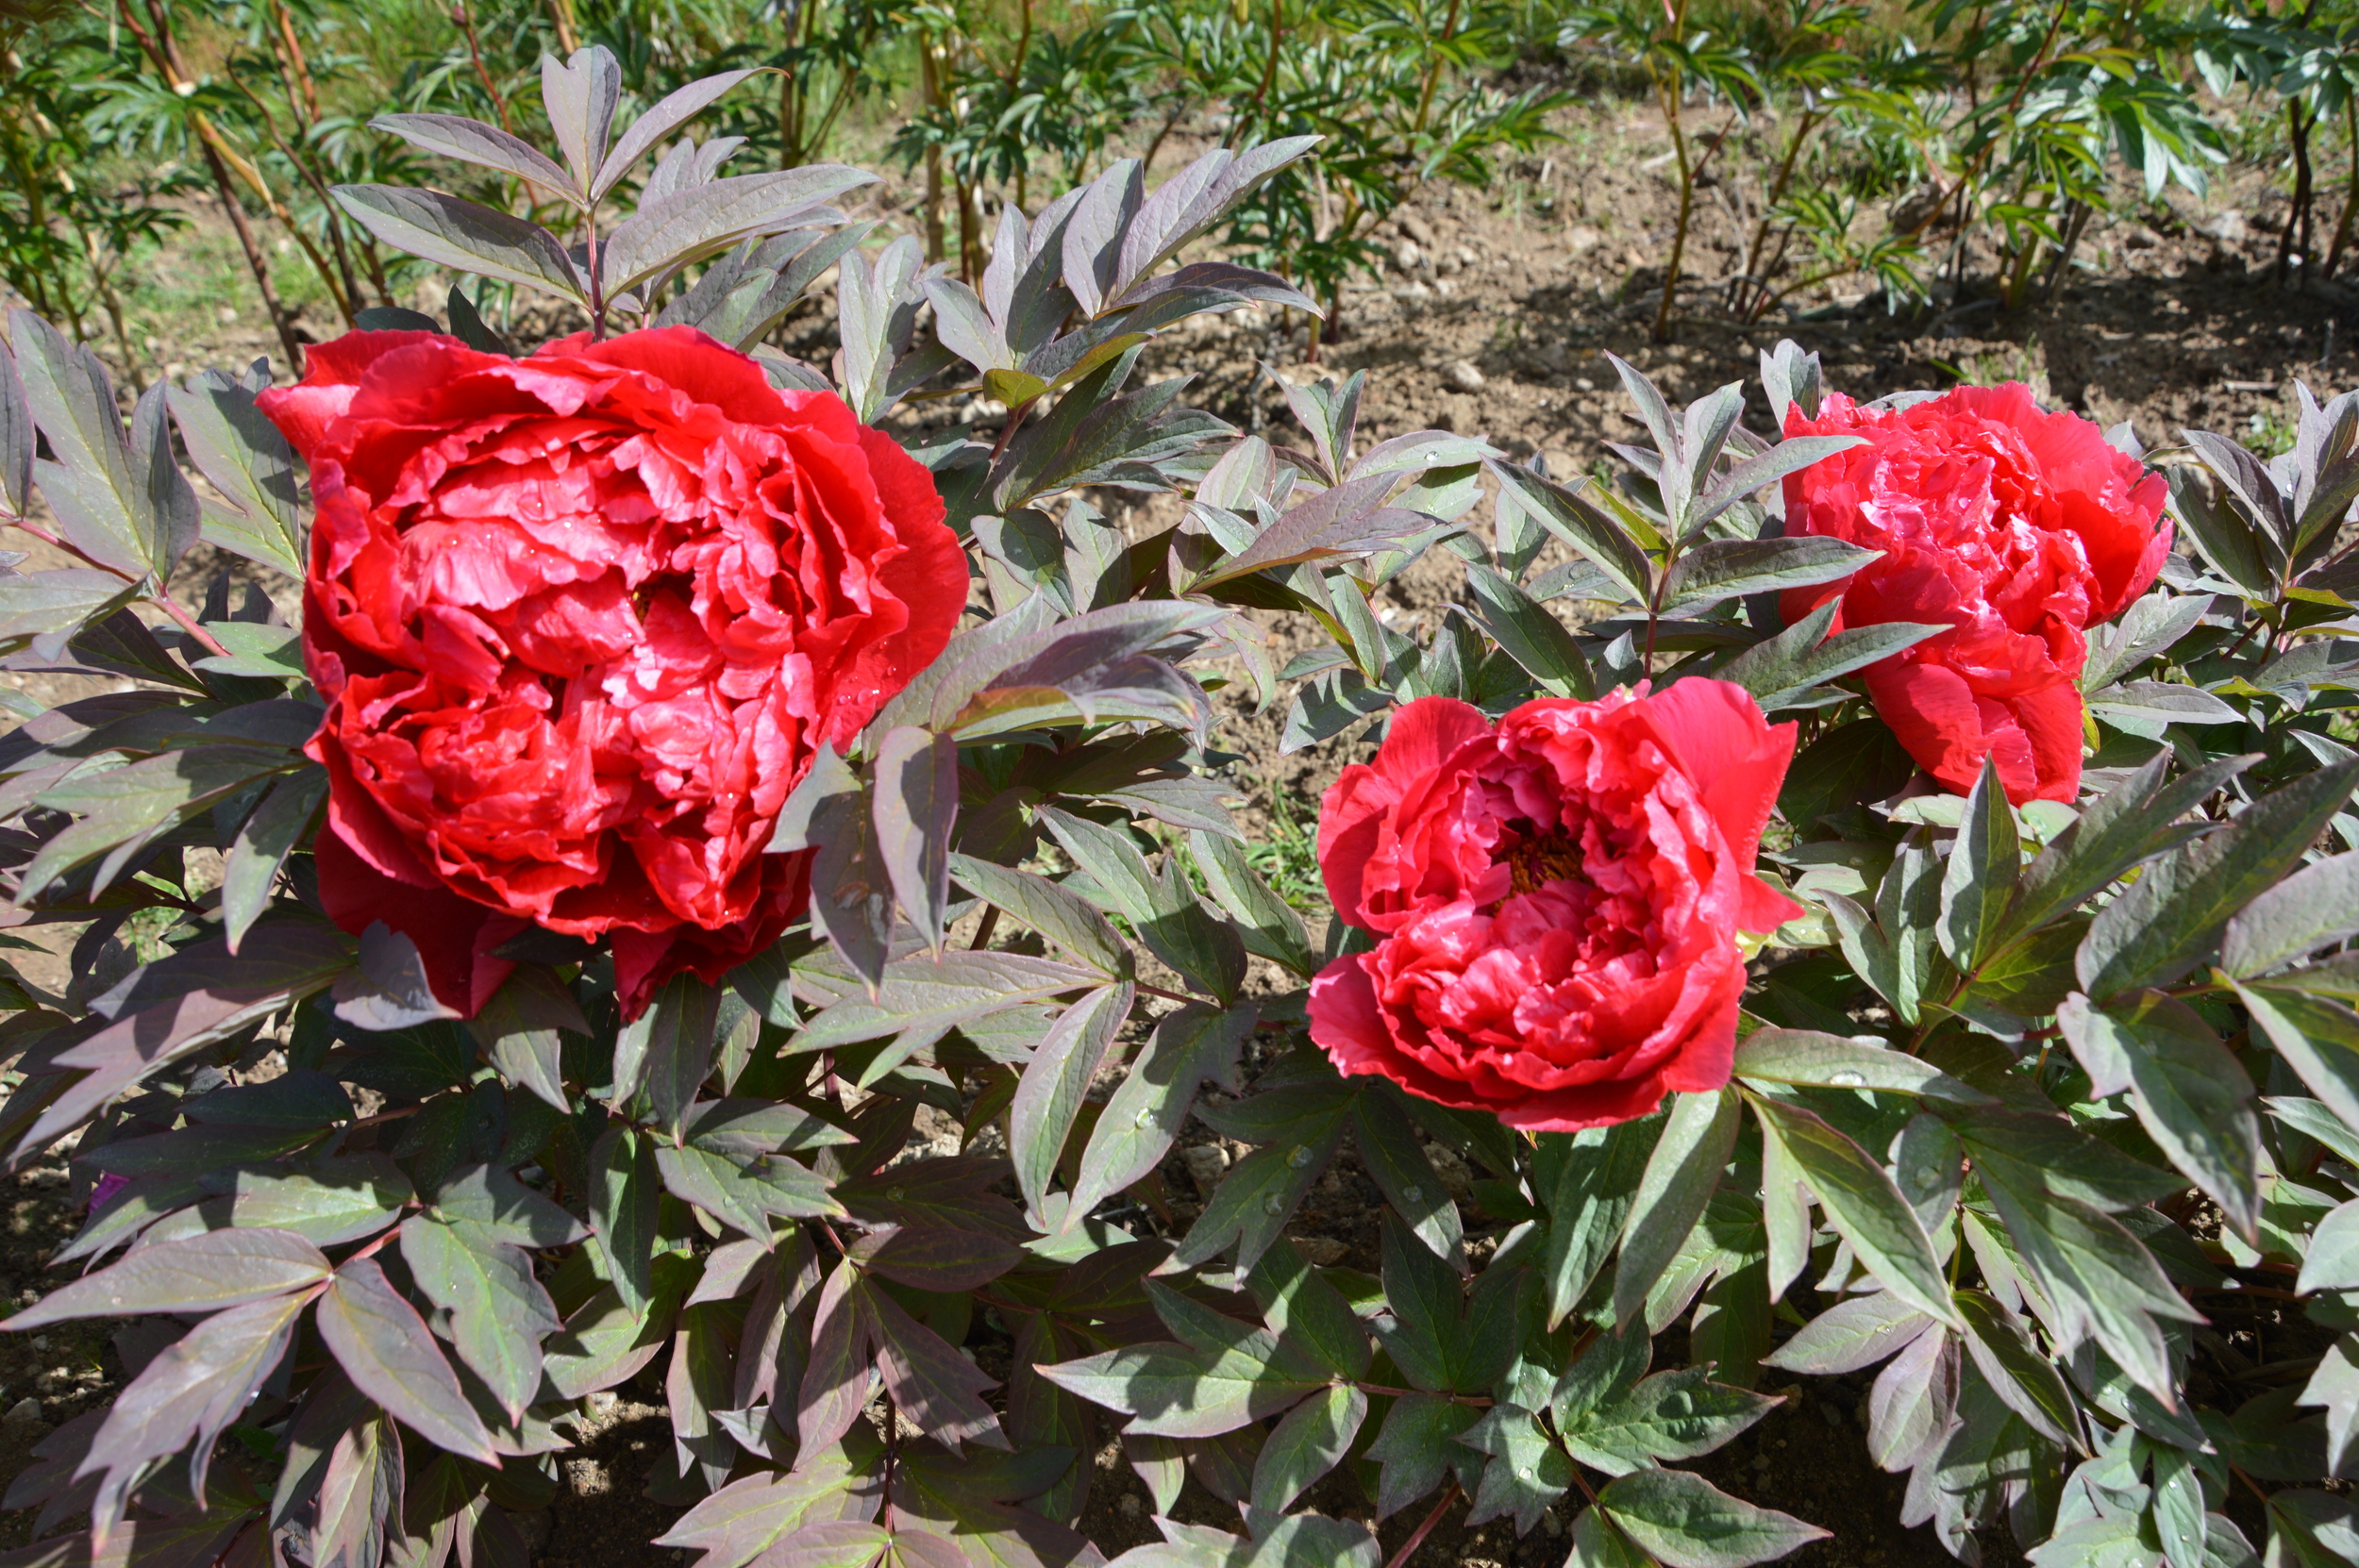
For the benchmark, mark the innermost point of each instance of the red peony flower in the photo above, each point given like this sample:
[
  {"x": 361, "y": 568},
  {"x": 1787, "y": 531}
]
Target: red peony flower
[
  {"x": 2015, "y": 527},
  {"x": 1556, "y": 899},
  {"x": 580, "y": 621}
]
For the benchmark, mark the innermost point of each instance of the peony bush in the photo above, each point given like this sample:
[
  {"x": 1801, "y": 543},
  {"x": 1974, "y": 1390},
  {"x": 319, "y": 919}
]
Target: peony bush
[{"x": 716, "y": 898}]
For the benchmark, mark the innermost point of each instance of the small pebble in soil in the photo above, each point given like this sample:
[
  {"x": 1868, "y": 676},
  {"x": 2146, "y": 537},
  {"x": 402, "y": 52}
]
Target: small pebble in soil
[
  {"x": 24, "y": 1410},
  {"x": 1408, "y": 256},
  {"x": 1206, "y": 1164},
  {"x": 1129, "y": 1505},
  {"x": 1464, "y": 377}
]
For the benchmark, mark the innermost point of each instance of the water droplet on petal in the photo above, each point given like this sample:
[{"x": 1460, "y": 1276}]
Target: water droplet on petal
[
  {"x": 1414, "y": 1194},
  {"x": 1299, "y": 1157},
  {"x": 1846, "y": 1080},
  {"x": 893, "y": 1193},
  {"x": 1271, "y": 1205},
  {"x": 1147, "y": 1114}
]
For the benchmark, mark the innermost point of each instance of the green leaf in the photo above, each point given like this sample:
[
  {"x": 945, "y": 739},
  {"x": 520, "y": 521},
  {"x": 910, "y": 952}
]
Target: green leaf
[
  {"x": 1854, "y": 1334},
  {"x": 1598, "y": 1545},
  {"x": 2189, "y": 1093},
  {"x": 1835, "y": 1061},
  {"x": 2319, "y": 1037},
  {"x": 2313, "y": 1530},
  {"x": 1717, "y": 569},
  {"x": 2044, "y": 1151},
  {"x": 389, "y": 1353},
  {"x": 2026, "y": 1379},
  {"x": 1672, "y": 1415},
  {"x": 258, "y": 652},
  {"x": 1058, "y": 913},
  {"x": 927, "y": 992},
  {"x": 1267, "y": 924},
  {"x": 2219, "y": 530},
  {"x": 1253, "y": 1204},
  {"x": 1395, "y": 1161},
  {"x": 1308, "y": 1442},
  {"x": 1685, "y": 1522},
  {"x": 519, "y": 1030},
  {"x": 930, "y": 1383},
  {"x": 1526, "y": 1473},
  {"x": 742, "y": 1191},
  {"x": 1532, "y": 637},
  {"x": 2095, "y": 1278},
  {"x": 1848, "y": 765},
  {"x": 499, "y": 1312},
  {"x": 1050, "y": 1094},
  {"x": 262, "y": 847},
  {"x": 1587, "y": 1182},
  {"x": 667, "y": 1050},
  {"x": 625, "y": 1184},
  {"x": 1414, "y": 1448},
  {"x": 1799, "y": 660},
  {"x": 461, "y": 234},
  {"x": 2336, "y": 1386},
  {"x": 1681, "y": 1177},
  {"x": 2312, "y": 1120},
  {"x": 1190, "y": 1047},
  {"x": 1864, "y": 1204},
  {"x": 2163, "y": 924},
  {"x": 1442, "y": 1340},
  {"x": 740, "y": 1521},
  {"x": 136, "y": 802},
  {"x": 1309, "y": 1313},
  {"x": 2133, "y": 822},
  {"x": 488, "y": 1202},
  {"x": 1163, "y": 907},
  {"x": 1572, "y": 517},
  {"x": 1980, "y": 877},
  {"x": 203, "y": 1273},
  {"x": 2160, "y": 702},
  {"x": 917, "y": 807},
  {"x": 359, "y": 1490},
  {"x": 1235, "y": 1376},
  {"x": 2316, "y": 907},
  {"x": 328, "y": 1202},
  {"x": 2331, "y": 1262}
]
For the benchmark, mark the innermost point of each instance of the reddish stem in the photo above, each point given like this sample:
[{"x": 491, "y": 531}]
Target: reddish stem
[
  {"x": 187, "y": 623},
  {"x": 1408, "y": 1547},
  {"x": 384, "y": 1116}
]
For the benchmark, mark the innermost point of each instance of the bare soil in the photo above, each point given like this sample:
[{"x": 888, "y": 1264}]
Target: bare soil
[{"x": 1494, "y": 319}]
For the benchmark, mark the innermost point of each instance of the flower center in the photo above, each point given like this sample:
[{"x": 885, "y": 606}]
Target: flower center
[{"x": 1534, "y": 861}]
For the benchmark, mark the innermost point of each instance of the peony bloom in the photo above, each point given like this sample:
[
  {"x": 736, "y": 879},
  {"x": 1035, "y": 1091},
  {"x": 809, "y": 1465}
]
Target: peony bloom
[
  {"x": 1556, "y": 900},
  {"x": 580, "y": 621},
  {"x": 2017, "y": 528}
]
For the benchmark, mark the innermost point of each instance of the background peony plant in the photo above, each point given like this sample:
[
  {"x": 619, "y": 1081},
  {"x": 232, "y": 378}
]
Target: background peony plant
[{"x": 534, "y": 972}]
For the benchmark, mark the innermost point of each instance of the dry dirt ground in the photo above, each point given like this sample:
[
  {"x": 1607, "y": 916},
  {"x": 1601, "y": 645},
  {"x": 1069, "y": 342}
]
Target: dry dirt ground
[{"x": 1493, "y": 320}]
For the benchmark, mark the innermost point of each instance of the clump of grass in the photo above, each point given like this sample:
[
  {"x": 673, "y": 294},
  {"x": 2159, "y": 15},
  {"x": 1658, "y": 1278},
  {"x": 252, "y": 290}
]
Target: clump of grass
[{"x": 1287, "y": 855}]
